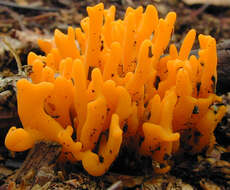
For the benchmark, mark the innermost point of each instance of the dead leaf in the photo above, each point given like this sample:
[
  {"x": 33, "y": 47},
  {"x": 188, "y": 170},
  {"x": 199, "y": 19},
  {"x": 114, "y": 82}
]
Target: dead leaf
[
  {"x": 208, "y": 185},
  {"x": 73, "y": 182},
  {"x": 127, "y": 181},
  {"x": 5, "y": 171}
]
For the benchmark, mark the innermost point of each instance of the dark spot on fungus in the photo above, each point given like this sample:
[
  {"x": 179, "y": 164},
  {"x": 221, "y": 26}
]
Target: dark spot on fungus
[
  {"x": 102, "y": 45},
  {"x": 141, "y": 140},
  {"x": 72, "y": 81},
  {"x": 101, "y": 159},
  {"x": 149, "y": 115},
  {"x": 152, "y": 151},
  {"x": 189, "y": 136},
  {"x": 213, "y": 83},
  {"x": 197, "y": 136},
  {"x": 158, "y": 148},
  {"x": 134, "y": 61},
  {"x": 134, "y": 43},
  {"x": 52, "y": 106},
  {"x": 157, "y": 81},
  {"x": 162, "y": 165},
  {"x": 90, "y": 72},
  {"x": 198, "y": 87},
  {"x": 55, "y": 116},
  {"x": 213, "y": 79},
  {"x": 166, "y": 156},
  {"x": 179, "y": 68},
  {"x": 150, "y": 52},
  {"x": 186, "y": 147},
  {"x": 195, "y": 110},
  {"x": 125, "y": 127},
  {"x": 44, "y": 64},
  {"x": 103, "y": 21}
]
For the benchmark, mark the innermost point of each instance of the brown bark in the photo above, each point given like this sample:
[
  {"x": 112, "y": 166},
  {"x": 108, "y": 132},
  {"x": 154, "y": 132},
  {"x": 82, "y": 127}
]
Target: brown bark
[
  {"x": 38, "y": 166},
  {"x": 223, "y": 67}
]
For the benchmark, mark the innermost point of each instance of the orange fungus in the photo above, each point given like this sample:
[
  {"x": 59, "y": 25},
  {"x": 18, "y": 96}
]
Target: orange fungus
[{"x": 112, "y": 81}]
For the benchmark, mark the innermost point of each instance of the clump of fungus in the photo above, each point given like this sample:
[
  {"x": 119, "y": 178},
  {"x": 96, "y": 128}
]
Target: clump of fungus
[{"x": 110, "y": 82}]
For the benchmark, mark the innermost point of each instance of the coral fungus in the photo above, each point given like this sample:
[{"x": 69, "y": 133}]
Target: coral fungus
[{"x": 111, "y": 82}]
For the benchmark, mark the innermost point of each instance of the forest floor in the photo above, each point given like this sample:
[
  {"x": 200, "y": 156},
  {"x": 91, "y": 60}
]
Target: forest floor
[{"x": 22, "y": 22}]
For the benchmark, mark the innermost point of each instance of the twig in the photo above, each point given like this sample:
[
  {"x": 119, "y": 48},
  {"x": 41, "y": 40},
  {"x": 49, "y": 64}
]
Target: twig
[
  {"x": 16, "y": 6},
  {"x": 117, "y": 185},
  {"x": 40, "y": 17},
  {"x": 16, "y": 56},
  {"x": 211, "y": 2},
  {"x": 199, "y": 11}
]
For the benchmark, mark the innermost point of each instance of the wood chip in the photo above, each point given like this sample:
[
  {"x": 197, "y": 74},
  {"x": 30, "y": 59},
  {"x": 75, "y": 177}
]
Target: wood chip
[{"x": 210, "y": 2}]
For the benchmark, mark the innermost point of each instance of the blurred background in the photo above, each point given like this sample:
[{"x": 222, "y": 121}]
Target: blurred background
[
  {"x": 43, "y": 16},
  {"x": 23, "y": 21}
]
